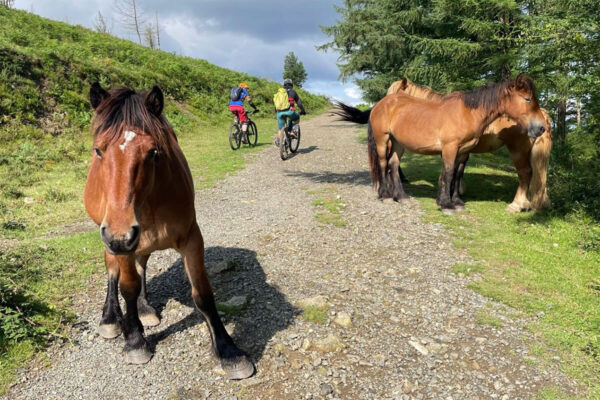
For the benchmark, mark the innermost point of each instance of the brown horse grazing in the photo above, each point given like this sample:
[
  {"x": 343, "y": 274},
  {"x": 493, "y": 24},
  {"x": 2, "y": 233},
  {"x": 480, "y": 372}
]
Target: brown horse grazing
[
  {"x": 529, "y": 156},
  {"x": 140, "y": 192},
  {"x": 451, "y": 126}
]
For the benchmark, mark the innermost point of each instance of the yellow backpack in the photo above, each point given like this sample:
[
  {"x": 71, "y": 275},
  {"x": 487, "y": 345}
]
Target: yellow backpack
[{"x": 281, "y": 100}]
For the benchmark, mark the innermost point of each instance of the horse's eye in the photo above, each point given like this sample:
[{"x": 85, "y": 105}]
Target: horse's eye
[
  {"x": 98, "y": 152},
  {"x": 527, "y": 99},
  {"x": 153, "y": 154}
]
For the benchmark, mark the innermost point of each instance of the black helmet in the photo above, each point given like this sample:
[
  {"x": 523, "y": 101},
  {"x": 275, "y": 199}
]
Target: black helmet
[{"x": 288, "y": 81}]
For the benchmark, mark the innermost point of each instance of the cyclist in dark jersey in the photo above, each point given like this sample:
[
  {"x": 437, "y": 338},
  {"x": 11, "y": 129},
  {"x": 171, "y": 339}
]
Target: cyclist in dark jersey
[{"x": 290, "y": 112}]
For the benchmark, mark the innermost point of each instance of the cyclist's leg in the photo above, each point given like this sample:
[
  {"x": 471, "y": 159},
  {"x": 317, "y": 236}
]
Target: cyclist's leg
[
  {"x": 280, "y": 123},
  {"x": 243, "y": 118},
  {"x": 293, "y": 119}
]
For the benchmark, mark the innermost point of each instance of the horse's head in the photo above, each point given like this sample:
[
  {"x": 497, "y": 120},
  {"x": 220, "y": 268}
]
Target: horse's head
[
  {"x": 129, "y": 142},
  {"x": 521, "y": 104}
]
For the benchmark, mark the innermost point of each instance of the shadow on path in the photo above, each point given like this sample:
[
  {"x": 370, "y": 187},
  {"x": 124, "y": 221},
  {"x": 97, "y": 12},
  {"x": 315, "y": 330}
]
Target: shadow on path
[
  {"x": 351, "y": 177},
  {"x": 267, "y": 312}
]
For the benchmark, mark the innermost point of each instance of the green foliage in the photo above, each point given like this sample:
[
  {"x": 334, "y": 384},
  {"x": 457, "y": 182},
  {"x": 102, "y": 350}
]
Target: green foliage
[
  {"x": 315, "y": 314},
  {"x": 294, "y": 69}
]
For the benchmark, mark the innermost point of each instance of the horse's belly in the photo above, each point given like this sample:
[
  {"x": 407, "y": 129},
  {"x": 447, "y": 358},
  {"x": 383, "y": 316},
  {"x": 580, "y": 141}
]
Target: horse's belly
[{"x": 487, "y": 143}]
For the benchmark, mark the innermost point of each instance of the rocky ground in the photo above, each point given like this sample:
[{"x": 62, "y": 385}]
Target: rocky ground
[{"x": 332, "y": 293}]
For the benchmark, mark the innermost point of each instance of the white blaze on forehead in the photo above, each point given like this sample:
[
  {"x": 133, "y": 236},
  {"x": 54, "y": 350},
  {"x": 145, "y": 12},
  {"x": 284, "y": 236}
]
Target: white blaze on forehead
[{"x": 128, "y": 135}]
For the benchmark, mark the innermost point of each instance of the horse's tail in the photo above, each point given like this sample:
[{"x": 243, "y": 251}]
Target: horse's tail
[
  {"x": 539, "y": 158},
  {"x": 351, "y": 114},
  {"x": 373, "y": 157}
]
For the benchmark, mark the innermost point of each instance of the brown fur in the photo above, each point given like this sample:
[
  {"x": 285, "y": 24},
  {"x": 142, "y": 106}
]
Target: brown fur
[
  {"x": 143, "y": 185},
  {"x": 505, "y": 131},
  {"x": 449, "y": 126}
]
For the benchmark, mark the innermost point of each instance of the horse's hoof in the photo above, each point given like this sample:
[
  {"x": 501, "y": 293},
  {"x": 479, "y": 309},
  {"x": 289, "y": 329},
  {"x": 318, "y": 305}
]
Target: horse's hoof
[
  {"x": 459, "y": 207},
  {"x": 238, "y": 368},
  {"x": 449, "y": 211},
  {"x": 150, "y": 319},
  {"x": 513, "y": 208},
  {"x": 388, "y": 200},
  {"x": 109, "y": 331},
  {"x": 138, "y": 356}
]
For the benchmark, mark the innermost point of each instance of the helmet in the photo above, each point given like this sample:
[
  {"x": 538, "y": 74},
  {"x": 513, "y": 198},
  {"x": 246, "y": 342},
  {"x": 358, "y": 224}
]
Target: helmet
[
  {"x": 288, "y": 81},
  {"x": 243, "y": 85}
]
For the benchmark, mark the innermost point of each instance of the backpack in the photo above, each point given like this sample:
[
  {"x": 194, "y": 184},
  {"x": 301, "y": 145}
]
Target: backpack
[
  {"x": 281, "y": 100},
  {"x": 235, "y": 93}
]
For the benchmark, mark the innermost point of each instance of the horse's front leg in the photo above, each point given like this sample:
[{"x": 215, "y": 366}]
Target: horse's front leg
[
  {"x": 147, "y": 313},
  {"x": 519, "y": 150},
  {"x": 234, "y": 361},
  {"x": 112, "y": 317},
  {"x": 444, "y": 199},
  {"x": 136, "y": 348},
  {"x": 459, "y": 174}
]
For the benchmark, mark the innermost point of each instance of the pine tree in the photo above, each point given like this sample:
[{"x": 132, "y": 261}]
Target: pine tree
[
  {"x": 446, "y": 44},
  {"x": 294, "y": 69}
]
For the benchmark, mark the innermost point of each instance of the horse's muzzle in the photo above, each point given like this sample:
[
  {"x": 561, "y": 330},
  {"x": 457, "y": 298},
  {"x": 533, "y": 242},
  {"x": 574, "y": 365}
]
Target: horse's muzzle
[
  {"x": 122, "y": 244},
  {"x": 535, "y": 130}
]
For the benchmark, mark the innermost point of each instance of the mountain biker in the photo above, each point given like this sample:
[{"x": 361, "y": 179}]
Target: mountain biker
[
  {"x": 290, "y": 112},
  {"x": 236, "y": 103}
]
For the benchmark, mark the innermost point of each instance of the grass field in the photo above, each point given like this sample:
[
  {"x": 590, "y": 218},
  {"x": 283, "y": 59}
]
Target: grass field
[{"x": 539, "y": 263}]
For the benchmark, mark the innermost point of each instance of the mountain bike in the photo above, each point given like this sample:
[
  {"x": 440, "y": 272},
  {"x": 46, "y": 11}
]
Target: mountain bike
[
  {"x": 237, "y": 136},
  {"x": 290, "y": 141}
]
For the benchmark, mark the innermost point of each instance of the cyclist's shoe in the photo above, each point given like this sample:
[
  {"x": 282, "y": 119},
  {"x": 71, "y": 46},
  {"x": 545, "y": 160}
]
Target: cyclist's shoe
[
  {"x": 293, "y": 133},
  {"x": 244, "y": 139},
  {"x": 277, "y": 142}
]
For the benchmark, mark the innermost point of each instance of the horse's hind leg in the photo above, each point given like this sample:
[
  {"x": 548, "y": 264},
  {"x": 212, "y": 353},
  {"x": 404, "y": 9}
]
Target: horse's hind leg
[
  {"x": 136, "y": 348},
  {"x": 148, "y": 314},
  {"x": 394, "y": 166},
  {"x": 112, "y": 317},
  {"x": 233, "y": 360}
]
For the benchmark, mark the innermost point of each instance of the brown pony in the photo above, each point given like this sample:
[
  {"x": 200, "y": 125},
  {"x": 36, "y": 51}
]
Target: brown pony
[
  {"x": 529, "y": 156},
  {"x": 140, "y": 192},
  {"x": 450, "y": 126}
]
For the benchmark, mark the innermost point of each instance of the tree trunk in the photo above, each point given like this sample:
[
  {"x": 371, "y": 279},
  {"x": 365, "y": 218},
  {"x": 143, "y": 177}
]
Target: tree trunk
[
  {"x": 135, "y": 19},
  {"x": 561, "y": 120}
]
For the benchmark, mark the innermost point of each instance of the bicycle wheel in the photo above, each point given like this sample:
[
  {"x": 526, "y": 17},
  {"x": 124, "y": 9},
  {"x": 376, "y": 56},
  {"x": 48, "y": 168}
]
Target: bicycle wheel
[
  {"x": 284, "y": 146},
  {"x": 252, "y": 134},
  {"x": 295, "y": 141},
  {"x": 234, "y": 136}
]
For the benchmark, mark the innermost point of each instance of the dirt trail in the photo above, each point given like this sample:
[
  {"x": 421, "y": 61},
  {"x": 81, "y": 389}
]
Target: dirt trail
[{"x": 398, "y": 323}]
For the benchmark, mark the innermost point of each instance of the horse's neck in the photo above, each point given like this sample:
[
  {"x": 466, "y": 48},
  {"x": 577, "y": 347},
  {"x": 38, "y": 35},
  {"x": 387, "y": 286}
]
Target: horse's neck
[{"x": 483, "y": 118}]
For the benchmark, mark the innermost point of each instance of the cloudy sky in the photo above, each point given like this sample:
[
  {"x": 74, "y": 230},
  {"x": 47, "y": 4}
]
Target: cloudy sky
[{"x": 249, "y": 36}]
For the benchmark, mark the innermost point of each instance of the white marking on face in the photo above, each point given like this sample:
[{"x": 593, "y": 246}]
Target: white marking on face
[{"x": 128, "y": 135}]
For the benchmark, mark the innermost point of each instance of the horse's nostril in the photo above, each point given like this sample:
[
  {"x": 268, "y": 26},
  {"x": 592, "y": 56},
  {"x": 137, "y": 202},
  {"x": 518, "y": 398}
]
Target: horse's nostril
[{"x": 133, "y": 235}]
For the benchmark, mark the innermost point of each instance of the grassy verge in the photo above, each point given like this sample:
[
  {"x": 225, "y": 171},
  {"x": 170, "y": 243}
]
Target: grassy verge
[{"x": 538, "y": 263}]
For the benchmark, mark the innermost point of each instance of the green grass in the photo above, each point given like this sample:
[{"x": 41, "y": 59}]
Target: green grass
[
  {"x": 537, "y": 263},
  {"x": 484, "y": 318},
  {"x": 467, "y": 269},
  {"x": 317, "y": 315},
  {"x": 330, "y": 207}
]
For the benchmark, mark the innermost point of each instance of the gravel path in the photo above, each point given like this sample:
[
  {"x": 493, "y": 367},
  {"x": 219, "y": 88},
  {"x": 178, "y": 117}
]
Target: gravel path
[{"x": 389, "y": 318}]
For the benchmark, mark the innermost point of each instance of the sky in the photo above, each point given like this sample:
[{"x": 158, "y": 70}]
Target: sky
[{"x": 247, "y": 36}]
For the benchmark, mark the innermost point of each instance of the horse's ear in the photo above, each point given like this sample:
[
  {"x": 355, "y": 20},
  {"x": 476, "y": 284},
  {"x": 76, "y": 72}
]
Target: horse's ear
[
  {"x": 523, "y": 82},
  {"x": 155, "y": 101},
  {"x": 97, "y": 94},
  {"x": 404, "y": 83}
]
